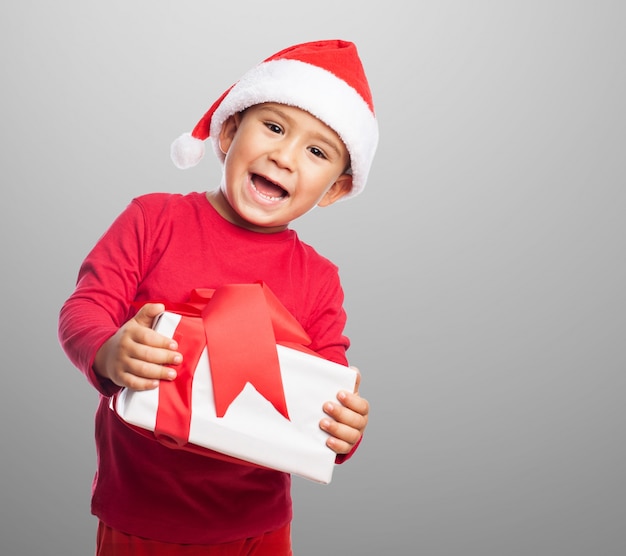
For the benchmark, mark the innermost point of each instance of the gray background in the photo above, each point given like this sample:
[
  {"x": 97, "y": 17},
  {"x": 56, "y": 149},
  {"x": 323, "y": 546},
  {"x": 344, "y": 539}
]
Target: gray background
[{"x": 484, "y": 263}]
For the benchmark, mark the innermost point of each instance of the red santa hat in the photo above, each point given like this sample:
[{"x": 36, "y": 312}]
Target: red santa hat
[{"x": 325, "y": 78}]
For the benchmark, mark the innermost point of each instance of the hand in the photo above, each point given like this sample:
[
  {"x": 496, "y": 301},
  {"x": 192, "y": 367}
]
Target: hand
[
  {"x": 135, "y": 355},
  {"x": 349, "y": 419}
]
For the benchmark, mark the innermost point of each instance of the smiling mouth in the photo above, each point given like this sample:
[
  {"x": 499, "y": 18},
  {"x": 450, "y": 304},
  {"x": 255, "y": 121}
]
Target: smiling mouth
[{"x": 268, "y": 189}]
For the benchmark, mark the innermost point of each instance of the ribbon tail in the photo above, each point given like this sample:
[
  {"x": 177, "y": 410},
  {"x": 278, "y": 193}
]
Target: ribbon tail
[{"x": 242, "y": 346}]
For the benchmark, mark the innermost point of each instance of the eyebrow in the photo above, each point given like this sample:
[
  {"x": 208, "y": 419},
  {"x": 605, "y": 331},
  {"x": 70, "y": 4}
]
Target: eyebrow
[{"x": 330, "y": 142}]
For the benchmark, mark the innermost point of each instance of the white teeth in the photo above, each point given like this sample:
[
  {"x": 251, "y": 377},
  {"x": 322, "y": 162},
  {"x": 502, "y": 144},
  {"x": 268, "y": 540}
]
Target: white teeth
[{"x": 265, "y": 195}]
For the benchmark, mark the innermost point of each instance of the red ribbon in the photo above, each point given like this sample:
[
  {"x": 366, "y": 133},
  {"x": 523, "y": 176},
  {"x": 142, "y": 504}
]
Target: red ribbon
[{"x": 240, "y": 325}]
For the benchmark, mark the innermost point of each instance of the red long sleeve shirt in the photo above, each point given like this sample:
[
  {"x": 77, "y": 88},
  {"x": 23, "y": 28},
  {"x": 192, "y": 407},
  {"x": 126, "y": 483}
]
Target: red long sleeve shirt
[{"x": 161, "y": 247}]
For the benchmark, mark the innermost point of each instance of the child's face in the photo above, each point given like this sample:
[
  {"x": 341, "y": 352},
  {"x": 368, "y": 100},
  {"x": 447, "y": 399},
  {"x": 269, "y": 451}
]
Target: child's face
[{"x": 280, "y": 162}]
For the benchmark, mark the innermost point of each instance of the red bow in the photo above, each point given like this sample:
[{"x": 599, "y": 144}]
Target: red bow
[{"x": 240, "y": 325}]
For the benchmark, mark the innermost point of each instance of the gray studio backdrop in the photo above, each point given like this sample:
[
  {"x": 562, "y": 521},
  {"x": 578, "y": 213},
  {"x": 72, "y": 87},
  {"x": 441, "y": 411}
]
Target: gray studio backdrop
[{"x": 483, "y": 265}]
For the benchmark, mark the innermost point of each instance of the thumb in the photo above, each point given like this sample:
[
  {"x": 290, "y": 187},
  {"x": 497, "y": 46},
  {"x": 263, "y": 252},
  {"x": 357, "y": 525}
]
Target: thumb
[
  {"x": 358, "y": 379},
  {"x": 146, "y": 315}
]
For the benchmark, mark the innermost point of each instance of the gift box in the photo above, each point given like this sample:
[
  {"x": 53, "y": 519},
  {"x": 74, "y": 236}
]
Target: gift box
[{"x": 248, "y": 389}]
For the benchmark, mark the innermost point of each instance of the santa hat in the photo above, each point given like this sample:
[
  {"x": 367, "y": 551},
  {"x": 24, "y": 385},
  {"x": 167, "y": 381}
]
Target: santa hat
[{"x": 325, "y": 78}]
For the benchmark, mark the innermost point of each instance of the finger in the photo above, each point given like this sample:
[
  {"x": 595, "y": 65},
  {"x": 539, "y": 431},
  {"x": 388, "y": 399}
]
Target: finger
[
  {"x": 156, "y": 355},
  {"x": 138, "y": 342},
  {"x": 354, "y": 402},
  {"x": 341, "y": 431},
  {"x": 140, "y": 375},
  {"x": 358, "y": 379},
  {"x": 139, "y": 383},
  {"x": 341, "y": 437},
  {"x": 148, "y": 312},
  {"x": 152, "y": 339},
  {"x": 338, "y": 418},
  {"x": 338, "y": 446}
]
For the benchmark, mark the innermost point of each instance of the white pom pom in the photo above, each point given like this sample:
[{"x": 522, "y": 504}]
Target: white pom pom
[{"x": 186, "y": 151}]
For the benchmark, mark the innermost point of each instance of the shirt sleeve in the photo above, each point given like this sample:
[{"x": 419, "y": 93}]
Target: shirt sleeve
[
  {"x": 327, "y": 318},
  {"x": 106, "y": 285}
]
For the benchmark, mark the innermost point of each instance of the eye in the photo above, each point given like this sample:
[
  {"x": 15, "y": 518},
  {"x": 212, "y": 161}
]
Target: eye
[
  {"x": 274, "y": 128},
  {"x": 317, "y": 152}
]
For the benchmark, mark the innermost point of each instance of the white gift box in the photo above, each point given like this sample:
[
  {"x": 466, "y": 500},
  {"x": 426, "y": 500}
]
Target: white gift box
[{"x": 252, "y": 429}]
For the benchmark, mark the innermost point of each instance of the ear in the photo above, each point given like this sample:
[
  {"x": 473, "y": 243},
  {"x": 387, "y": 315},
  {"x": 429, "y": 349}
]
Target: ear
[
  {"x": 337, "y": 190},
  {"x": 228, "y": 131}
]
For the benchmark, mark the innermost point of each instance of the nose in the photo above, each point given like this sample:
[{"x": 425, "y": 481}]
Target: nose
[{"x": 284, "y": 154}]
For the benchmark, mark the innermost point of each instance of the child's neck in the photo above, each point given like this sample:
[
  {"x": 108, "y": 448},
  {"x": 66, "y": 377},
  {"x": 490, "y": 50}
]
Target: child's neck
[{"x": 225, "y": 210}]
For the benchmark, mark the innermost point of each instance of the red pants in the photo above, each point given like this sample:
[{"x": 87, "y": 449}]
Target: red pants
[{"x": 110, "y": 542}]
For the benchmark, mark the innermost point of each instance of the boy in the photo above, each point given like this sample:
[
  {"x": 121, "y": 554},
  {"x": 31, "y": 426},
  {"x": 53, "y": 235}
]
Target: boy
[{"x": 296, "y": 131}]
